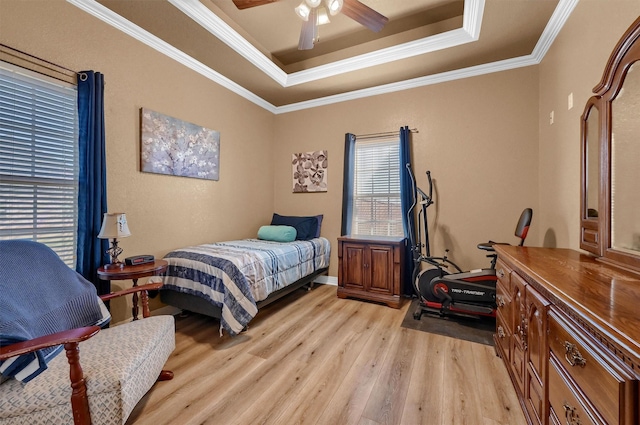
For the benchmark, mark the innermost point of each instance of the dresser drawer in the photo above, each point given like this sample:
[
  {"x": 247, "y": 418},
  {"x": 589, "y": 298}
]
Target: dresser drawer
[
  {"x": 503, "y": 272},
  {"x": 565, "y": 407},
  {"x": 504, "y": 304},
  {"x": 503, "y": 337},
  {"x": 605, "y": 382},
  {"x": 517, "y": 364}
]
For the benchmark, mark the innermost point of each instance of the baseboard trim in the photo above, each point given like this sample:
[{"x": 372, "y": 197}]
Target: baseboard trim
[{"x": 327, "y": 280}]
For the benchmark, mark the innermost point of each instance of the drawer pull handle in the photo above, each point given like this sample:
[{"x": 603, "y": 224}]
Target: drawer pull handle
[
  {"x": 571, "y": 415},
  {"x": 500, "y": 301},
  {"x": 501, "y": 333},
  {"x": 573, "y": 356},
  {"x": 522, "y": 331}
]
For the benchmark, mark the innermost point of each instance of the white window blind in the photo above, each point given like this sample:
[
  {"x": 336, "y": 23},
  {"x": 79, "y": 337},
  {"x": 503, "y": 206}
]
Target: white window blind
[
  {"x": 38, "y": 161},
  {"x": 376, "y": 198}
]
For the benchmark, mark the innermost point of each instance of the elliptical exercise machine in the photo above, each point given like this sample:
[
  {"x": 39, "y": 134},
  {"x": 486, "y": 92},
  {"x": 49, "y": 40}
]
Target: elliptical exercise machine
[{"x": 445, "y": 288}]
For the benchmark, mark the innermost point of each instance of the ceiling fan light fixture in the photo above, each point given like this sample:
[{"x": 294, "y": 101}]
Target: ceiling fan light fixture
[
  {"x": 334, "y": 6},
  {"x": 322, "y": 16},
  {"x": 313, "y": 3},
  {"x": 303, "y": 11}
]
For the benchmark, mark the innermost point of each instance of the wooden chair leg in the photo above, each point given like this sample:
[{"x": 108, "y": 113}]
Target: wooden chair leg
[
  {"x": 79, "y": 400},
  {"x": 165, "y": 375}
]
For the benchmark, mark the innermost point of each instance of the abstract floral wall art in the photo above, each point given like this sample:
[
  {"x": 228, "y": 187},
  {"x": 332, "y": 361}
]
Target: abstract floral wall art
[
  {"x": 179, "y": 148},
  {"x": 309, "y": 171}
]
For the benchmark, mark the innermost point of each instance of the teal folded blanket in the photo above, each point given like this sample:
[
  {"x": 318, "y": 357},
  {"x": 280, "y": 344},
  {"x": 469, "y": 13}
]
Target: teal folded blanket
[{"x": 277, "y": 233}]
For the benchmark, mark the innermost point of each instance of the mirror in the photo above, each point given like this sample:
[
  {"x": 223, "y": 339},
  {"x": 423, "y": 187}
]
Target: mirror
[
  {"x": 590, "y": 200},
  {"x": 592, "y": 163},
  {"x": 625, "y": 172},
  {"x": 610, "y": 138}
]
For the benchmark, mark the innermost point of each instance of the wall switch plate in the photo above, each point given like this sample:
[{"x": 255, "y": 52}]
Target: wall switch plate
[
  {"x": 570, "y": 101},
  {"x": 551, "y": 118}
]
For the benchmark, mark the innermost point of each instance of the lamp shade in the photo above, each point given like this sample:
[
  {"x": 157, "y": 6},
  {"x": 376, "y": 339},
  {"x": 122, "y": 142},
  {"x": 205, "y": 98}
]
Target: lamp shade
[
  {"x": 335, "y": 6},
  {"x": 303, "y": 11},
  {"x": 114, "y": 225},
  {"x": 322, "y": 16}
]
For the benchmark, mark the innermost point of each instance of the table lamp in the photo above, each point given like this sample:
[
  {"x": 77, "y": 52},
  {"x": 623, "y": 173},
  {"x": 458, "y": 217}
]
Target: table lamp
[{"x": 114, "y": 226}]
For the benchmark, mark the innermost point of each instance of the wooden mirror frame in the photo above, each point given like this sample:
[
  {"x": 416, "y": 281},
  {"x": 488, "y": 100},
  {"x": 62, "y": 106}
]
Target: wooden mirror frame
[
  {"x": 595, "y": 233},
  {"x": 590, "y": 237}
]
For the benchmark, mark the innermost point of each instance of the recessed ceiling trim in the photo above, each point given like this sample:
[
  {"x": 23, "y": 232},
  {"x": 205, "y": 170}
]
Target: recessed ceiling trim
[
  {"x": 401, "y": 51},
  {"x": 472, "y": 17},
  {"x": 108, "y": 16},
  {"x": 473, "y": 11},
  {"x": 219, "y": 28},
  {"x": 443, "y": 77},
  {"x": 555, "y": 24}
]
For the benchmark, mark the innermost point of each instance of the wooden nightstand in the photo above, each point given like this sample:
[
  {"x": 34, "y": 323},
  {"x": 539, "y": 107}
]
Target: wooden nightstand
[
  {"x": 370, "y": 268},
  {"x": 134, "y": 273}
]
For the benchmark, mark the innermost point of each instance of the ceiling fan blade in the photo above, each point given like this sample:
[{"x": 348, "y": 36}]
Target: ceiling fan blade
[
  {"x": 364, "y": 15},
  {"x": 308, "y": 32},
  {"x": 245, "y": 4}
]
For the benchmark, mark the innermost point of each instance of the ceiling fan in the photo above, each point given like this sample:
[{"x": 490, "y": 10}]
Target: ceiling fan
[{"x": 314, "y": 13}]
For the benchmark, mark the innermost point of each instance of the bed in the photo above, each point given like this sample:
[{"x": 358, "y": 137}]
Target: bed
[{"x": 232, "y": 280}]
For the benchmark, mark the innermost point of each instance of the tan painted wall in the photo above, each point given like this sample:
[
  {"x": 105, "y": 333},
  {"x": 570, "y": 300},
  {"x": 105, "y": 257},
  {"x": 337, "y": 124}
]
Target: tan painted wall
[
  {"x": 574, "y": 64},
  {"x": 164, "y": 212},
  {"x": 486, "y": 139},
  {"x": 478, "y": 136}
]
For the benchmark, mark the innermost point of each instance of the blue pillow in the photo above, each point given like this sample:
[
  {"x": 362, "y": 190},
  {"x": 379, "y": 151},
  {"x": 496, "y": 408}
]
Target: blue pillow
[
  {"x": 306, "y": 227},
  {"x": 277, "y": 233},
  {"x": 319, "y": 218}
]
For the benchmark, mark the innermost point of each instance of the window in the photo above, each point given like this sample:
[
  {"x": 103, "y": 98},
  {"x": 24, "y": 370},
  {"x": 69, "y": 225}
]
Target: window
[
  {"x": 376, "y": 188},
  {"x": 38, "y": 160}
]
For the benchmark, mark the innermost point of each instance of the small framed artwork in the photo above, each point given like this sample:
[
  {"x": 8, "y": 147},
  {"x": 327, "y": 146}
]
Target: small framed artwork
[
  {"x": 309, "y": 171},
  {"x": 171, "y": 146}
]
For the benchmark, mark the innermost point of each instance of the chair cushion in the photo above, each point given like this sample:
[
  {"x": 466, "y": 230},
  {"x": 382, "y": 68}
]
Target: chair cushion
[{"x": 120, "y": 365}]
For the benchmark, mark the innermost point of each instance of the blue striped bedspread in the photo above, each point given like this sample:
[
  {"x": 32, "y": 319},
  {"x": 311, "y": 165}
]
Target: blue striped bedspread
[{"x": 235, "y": 275}]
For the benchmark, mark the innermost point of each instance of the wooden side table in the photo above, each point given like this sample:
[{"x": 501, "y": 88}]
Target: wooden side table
[
  {"x": 134, "y": 273},
  {"x": 371, "y": 268}
]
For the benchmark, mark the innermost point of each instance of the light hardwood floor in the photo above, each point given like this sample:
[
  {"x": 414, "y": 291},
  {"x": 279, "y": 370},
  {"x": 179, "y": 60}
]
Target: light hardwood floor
[{"x": 312, "y": 358}]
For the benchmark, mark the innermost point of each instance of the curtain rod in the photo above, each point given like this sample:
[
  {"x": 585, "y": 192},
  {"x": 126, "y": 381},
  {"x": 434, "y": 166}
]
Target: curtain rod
[
  {"x": 47, "y": 67},
  {"x": 385, "y": 134}
]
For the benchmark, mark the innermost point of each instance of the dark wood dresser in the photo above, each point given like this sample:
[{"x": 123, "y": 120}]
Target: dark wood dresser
[
  {"x": 568, "y": 330},
  {"x": 371, "y": 268}
]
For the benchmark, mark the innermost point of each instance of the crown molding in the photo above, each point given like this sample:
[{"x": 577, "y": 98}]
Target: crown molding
[
  {"x": 390, "y": 54},
  {"x": 443, "y": 77},
  {"x": 552, "y": 29},
  {"x": 472, "y": 18},
  {"x": 216, "y": 26},
  {"x": 555, "y": 24},
  {"x": 111, "y": 18},
  {"x": 474, "y": 10}
]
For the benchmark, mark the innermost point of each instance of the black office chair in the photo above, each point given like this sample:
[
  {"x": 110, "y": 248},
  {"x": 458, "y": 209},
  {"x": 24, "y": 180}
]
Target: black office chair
[{"x": 522, "y": 228}]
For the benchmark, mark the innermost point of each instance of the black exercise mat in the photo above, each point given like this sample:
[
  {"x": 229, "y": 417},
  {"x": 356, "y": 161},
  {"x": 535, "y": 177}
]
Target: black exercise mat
[{"x": 472, "y": 329}]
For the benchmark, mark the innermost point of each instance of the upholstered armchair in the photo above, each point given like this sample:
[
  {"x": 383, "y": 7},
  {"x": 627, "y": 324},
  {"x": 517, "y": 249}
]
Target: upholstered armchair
[{"x": 105, "y": 372}]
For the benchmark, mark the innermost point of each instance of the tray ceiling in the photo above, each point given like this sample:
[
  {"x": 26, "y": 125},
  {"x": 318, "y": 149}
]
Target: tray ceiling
[{"x": 253, "y": 52}]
